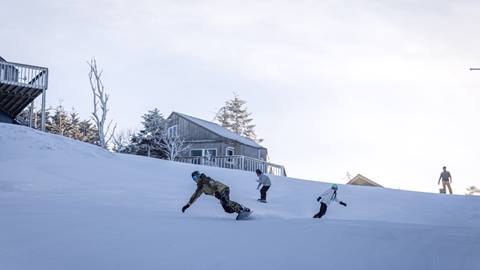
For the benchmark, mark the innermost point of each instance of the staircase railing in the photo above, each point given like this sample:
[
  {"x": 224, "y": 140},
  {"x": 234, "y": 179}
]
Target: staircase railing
[{"x": 236, "y": 162}]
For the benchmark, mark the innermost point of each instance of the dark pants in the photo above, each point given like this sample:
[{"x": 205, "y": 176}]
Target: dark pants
[
  {"x": 263, "y": 192},
  {"x": 323, "y": 210},
  {"x": 228, "y": 205}
]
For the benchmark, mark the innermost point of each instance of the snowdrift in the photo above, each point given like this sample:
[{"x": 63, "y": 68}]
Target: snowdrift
[{"x": 70, "y": 205}]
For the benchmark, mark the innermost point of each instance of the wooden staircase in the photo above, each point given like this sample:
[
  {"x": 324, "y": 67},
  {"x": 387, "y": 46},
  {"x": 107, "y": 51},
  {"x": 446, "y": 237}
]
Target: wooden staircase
[{"x": 20, "y": 84}]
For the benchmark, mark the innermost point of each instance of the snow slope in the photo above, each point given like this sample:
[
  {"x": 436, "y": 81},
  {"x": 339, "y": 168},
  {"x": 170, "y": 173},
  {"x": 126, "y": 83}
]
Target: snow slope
[{"x": 70, "y": 205}]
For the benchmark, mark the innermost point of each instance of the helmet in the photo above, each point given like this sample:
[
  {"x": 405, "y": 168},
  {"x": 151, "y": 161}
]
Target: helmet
[
  {"x": 195, "y": 175},
  {"x": 334, "y": 187}
]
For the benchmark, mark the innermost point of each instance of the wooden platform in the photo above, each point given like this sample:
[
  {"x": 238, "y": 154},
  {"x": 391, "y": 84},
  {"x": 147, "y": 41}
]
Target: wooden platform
[{"x": 20, "y": 84}]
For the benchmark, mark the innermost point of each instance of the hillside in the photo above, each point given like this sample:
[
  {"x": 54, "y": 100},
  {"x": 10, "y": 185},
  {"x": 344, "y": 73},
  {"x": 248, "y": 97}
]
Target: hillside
[{"x": 70, "y": 205}]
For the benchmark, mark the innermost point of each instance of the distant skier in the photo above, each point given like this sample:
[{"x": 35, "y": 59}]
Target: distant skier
[
  {"x": 221, "y": 191},
  {"x": 325, "y": 198},
  {"x": 446, "y": 178},
  {"x": 265, "y": 181}
]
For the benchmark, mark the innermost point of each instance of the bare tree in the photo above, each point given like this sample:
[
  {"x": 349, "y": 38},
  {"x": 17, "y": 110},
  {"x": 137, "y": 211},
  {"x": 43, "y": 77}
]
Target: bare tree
[
  {"x": 122, "y": 141},
  {"x": 100, "y": 109},
  {"x": 173, "y": 146}
]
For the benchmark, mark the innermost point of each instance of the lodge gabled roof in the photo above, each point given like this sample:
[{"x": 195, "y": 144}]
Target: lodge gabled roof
[
  {"x": 219, "y": 130},
  {"x": 360, "y": 178}
]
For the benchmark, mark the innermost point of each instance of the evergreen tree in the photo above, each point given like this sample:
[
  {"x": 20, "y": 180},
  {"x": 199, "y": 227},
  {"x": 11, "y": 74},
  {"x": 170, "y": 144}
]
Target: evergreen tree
[
  {"x": 234, "y": 115},
  {"x": 224, "y": 117},
  {"x": 88, "y": 132},
  {"x": 148, "y": 141},
  {"x": 63, "y": 123},
  {"x": 74, "y": 130},
  {"x": 48, "y": 119},
  {"x": 60, "y": 122}
]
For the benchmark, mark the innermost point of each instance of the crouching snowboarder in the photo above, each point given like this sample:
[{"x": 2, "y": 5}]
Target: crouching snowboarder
[
  {"x": 221, "y": 191},
  {"x": 325, "y": 198}
]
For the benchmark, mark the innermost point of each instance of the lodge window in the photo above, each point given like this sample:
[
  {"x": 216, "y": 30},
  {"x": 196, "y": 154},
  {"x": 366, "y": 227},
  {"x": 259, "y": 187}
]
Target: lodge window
[
  {"x": 172, "y": 131},
  {"x": 203, "y": 152}
]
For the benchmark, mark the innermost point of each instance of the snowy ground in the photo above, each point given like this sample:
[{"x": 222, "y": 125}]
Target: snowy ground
[{"x": 70, "y": 205}]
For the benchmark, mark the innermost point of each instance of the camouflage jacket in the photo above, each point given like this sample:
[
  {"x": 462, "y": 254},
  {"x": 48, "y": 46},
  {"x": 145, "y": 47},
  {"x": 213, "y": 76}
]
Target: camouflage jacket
[{"x": 208, "y": 186}]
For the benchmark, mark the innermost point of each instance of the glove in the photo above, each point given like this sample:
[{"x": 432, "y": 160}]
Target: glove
[
  {"x": 319, "y": 198},
  {"x": 185, "y": 207},
  {"x": 344, "y": 204}
]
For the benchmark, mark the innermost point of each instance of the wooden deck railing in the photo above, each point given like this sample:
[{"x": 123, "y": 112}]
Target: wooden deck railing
[
  {"x": 236, "y": 162},
  {"x": 23, "y": 75}
]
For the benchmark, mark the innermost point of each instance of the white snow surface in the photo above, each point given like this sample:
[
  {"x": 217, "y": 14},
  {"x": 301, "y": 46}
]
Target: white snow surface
[{"x": 70, "y": 205}]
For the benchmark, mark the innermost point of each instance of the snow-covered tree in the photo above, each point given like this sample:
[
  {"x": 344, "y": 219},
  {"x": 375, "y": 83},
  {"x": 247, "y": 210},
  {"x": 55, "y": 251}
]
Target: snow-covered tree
[
  {"x": 224, "y": 117},
  {"x": 60, "y": 122},
  {"x": 154, "y": 122},
  {"x": 147, "y": 141},
  {"x": 100, "y": 105},
  {"x": 234, "y": 115},
  {"x": 173, "y": 146}
]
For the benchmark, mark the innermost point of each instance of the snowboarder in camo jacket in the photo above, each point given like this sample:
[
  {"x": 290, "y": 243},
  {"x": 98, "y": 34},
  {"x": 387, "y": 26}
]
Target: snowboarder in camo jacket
[
  {"x": 326, "y": 198},
  {"x": 211, "y": 187}
]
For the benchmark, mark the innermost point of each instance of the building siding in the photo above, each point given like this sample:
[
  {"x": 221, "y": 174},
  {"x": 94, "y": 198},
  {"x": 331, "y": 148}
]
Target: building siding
[
  {"x": 190, "y": 131},
  {"x": 199, "y": 137}
]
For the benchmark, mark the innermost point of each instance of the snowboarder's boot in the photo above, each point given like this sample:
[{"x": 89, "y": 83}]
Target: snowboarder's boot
[{"x": 245, "y": 213}]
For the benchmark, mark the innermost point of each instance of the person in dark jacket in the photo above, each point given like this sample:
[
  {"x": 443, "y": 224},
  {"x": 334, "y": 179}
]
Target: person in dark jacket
[
  {"x": 326, "y": 198},
  {"x": 208, "y": 186},
  {"x": 446, "y": 178}
]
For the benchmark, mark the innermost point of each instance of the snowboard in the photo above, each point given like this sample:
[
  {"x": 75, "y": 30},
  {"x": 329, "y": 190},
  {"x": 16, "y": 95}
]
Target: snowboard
[{"x": 244, "y": 215}]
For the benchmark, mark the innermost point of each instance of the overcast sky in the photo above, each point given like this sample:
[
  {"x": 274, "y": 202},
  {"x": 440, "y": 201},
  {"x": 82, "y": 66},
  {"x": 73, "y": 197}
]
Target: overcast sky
[{"x": 381, "y": 88}]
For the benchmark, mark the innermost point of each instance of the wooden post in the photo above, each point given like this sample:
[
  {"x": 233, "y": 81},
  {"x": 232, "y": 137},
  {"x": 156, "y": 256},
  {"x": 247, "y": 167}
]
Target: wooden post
[
  {"x": 30, "y": 124},
  {"x": 43, "y": 109}
]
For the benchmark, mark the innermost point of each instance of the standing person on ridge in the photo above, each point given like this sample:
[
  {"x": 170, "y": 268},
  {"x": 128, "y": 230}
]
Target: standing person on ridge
[
  {"x": 325, "y": 198},
  {"x": 221, "y": 191},
  {"x": 265, "y": 181},
  {"x": 446, "y": 178}
]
